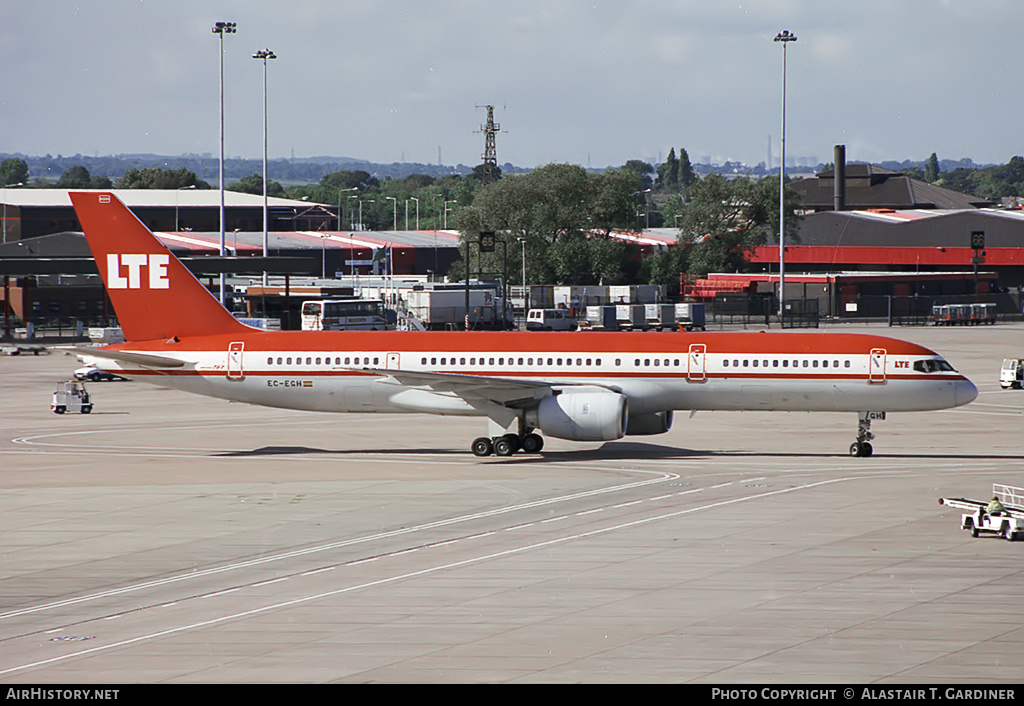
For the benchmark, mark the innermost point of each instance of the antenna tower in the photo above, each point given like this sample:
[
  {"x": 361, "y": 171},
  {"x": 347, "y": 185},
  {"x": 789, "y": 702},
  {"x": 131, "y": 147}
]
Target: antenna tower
[{"x": 490, "y": 129}]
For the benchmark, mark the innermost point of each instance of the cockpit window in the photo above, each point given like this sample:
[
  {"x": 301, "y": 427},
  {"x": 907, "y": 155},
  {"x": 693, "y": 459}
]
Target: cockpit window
[{"x": 932, "y": 365}]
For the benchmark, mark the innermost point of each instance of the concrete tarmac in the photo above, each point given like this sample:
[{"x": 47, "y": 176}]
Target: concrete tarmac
[{"x": 168, "y": 538}]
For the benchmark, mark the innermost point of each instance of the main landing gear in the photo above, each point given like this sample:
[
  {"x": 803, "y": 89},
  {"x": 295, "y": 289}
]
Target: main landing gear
[
  {"x": 862, "y": 446},
  {"x": 508, "y": 444}
]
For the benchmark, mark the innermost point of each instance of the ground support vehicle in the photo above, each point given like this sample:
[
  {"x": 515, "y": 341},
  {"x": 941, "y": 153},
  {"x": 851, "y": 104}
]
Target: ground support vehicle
[
  {"x": 1008, "y": 524},
  {"x": 963, "y": 314},
  {"x": 1011, "y": 374},
  {"x": 690, "y": 316},
  {"x": 631, "y": 317},
  {"x": 599, "y": 318},
  {"x": 97, "y": 375},
  {"x": 71, "y": 396},
  {"x": 550, "y": 320}
]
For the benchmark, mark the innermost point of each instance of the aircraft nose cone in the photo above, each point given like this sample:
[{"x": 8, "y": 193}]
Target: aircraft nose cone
[{"x": 964, "y": 392}]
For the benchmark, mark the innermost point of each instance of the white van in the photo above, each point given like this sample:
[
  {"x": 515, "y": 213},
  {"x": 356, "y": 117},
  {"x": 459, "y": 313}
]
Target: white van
[{"x": 550, "y": 320}]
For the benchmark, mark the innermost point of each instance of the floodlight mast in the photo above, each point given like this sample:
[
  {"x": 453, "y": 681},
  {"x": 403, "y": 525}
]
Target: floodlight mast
[
  {"x": 785, "y": 36},
  {"x": 265, "y": 54},
  {"x": 220, "y": 29}
]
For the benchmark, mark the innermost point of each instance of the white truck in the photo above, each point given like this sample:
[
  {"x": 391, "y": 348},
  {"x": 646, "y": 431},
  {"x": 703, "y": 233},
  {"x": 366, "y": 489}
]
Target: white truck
[{"x": 1007, "y": 523}]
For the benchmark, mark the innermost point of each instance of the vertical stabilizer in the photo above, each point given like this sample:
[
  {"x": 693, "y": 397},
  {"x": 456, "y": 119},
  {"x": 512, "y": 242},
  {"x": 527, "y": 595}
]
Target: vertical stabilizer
[{"x": 154, "y": 295}]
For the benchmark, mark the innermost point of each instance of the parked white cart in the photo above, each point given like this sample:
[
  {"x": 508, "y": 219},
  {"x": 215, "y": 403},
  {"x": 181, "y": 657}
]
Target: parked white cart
[
  {"x": 1008, "y": 524},
  {"x": 71, "y": 396},
  {"x": 1011, "y": 374}
]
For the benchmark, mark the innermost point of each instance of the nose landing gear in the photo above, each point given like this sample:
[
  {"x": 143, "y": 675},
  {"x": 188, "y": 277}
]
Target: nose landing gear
[{"x": 862, "y": 446}]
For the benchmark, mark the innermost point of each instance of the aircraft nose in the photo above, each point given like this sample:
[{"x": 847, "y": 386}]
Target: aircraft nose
[{"x": 964, "y": 392}]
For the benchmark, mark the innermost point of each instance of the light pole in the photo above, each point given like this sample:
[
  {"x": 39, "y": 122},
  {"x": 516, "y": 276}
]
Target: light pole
[
  {"x": 413, "y": 198},
  {"x": 265, "y": 54},
  {"x": 361, "y": 202},
  {"x": 785, "y": 36},
  {"x": 220, "y": 29},
  {"x": 526, "y": 290},
  {"x": 394, "y": 221},
  {"x": 340, "y": 192},
  {"x": 446, "y": 212}
]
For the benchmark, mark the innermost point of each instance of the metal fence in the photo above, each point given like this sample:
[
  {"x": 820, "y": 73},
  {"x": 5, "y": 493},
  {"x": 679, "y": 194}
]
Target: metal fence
[{"x": 728, "y": 309}]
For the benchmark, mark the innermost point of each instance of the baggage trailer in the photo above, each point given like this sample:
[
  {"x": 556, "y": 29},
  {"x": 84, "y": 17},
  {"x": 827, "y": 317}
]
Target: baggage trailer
[{"x": 1008, "y": 524}]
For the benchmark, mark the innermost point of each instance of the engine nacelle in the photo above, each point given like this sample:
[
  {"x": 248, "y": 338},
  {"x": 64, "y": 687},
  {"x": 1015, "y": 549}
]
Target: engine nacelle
[
  {"x": 647, "y": 424},
  {"x": 582, "y": 415}
]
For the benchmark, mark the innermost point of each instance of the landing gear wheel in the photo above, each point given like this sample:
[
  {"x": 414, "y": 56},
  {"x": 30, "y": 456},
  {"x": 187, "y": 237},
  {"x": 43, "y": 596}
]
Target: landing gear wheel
[
  {"x": 861, "y": 449},
  {"x": 533, "y": 443},
  {"x": 482, "y": 447},
  {"x": 503, "y": 446},
  {"x": 513, "y": 441}
]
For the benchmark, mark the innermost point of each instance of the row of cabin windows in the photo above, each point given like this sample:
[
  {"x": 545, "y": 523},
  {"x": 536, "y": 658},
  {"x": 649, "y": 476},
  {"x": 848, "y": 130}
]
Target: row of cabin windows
[
  {"x": 647, "y": 362},
  {"x": 323, "y": 361},
  {"x": 512, "y": 361},
  {"x": 785, "y": 363}
]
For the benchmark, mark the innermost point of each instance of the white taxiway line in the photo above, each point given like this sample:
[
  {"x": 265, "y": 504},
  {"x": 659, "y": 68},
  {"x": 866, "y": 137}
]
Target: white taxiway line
[{"x": 414, "y": 574}]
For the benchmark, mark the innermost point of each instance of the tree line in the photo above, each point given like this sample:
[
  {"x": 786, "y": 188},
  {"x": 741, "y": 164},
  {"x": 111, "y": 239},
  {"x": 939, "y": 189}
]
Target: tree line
[{"x": 559, "y": 218}]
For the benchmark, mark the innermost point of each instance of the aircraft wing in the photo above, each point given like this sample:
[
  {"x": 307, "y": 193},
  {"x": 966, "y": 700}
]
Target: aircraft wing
[
  {"x": 507, "y": 392},
  {"x": 145, "y": 359}
]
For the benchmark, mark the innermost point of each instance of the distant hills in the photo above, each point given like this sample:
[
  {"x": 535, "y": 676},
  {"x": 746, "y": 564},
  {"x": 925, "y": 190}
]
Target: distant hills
[{"x": 311, "y": 169}]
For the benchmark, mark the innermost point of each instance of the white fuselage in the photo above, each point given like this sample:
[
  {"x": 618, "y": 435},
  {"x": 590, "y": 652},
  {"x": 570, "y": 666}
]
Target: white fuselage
[{"x": 694, "y": 379}]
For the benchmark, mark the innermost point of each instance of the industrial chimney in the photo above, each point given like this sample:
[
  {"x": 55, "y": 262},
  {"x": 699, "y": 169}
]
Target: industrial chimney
[{"x": 839, "y": 189}]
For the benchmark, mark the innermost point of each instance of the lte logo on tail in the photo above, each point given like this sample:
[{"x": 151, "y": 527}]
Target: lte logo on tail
[{"x": 155, "y": 264}]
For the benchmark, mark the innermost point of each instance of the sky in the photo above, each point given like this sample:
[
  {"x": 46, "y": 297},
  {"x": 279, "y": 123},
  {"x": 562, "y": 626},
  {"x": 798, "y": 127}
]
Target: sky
[{"x": 594, "y": 83}]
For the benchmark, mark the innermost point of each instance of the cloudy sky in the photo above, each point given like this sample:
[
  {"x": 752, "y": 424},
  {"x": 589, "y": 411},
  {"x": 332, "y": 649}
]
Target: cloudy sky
[{"x": 593, "y": 82}]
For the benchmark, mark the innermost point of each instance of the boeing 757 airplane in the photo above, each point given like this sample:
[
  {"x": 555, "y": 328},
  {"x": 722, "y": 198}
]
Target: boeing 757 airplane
[{"x": 589, "y": 386}]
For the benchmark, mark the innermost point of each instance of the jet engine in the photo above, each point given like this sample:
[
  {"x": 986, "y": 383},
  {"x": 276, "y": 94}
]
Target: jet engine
[
  {"x": 582, "y": 415},
  {"x": 646, "y": 424}
]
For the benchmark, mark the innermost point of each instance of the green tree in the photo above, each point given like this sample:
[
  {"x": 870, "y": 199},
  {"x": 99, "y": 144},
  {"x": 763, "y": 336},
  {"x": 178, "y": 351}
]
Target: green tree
[
  {"x": 931, "y": 169},
  {"x": 643, "y": 169},
  {"x": 555, "y": 210},
  {"x": 725, "y": 219},
  {"x": 615, "y": 199},
  {"x": 686, "y": 174},
  {"x": 156, "y": 178},
  {"x": 13, "y": 171},
  {"x": 664, "y": 266},
  {"x": 76, "y": 177},
  {"x": 253, "y": 184},
  {"x": 668, "y": 172}
]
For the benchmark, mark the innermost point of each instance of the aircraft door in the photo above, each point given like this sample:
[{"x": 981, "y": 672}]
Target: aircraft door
[
  {"x": 235, "y": 370},
  {"x": 876, "y": 365},
  {"x": 695, "y": 363},
  {"x": 393, "y": 361}
]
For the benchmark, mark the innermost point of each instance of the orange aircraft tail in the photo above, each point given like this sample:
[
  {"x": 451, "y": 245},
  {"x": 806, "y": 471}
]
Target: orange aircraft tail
[{"x": 153, "y": 293}]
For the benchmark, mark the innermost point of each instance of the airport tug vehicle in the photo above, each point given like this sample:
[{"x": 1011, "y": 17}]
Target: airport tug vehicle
[
  {"x": 1009, "y": 523},
  {"x": 1011, "y": 374},
  {"x": 71, "y": 396}
]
